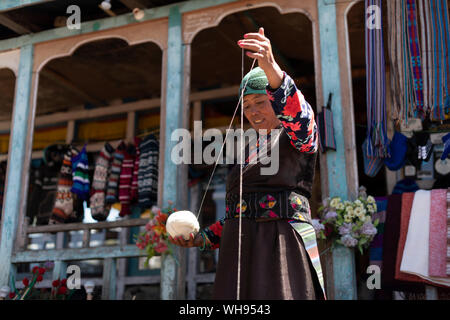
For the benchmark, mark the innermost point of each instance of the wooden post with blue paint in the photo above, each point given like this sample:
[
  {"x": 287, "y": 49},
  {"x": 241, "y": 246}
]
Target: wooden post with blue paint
[
  {"x": 173, "y": 121},
  {"x": 16, "y": 161},
  {"x": 344, "y": 276}
]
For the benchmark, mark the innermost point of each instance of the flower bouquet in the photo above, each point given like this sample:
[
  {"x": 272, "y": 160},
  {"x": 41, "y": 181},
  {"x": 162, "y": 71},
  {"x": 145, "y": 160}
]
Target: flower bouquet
[
  {"x": 154, "y": 240},
  {"x": 348, "y": 223}
]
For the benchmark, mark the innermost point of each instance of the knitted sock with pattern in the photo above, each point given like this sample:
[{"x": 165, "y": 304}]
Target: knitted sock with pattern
[
  {"x": 80, "y": 175},
  {"x": 112, "y": 190},
  {"x": 97, "y": 200},
  {"x": 148, "y": 171},
  {"x": 126, "y": 174},
  {"x": 134, "y": 178},
  {"x": 63, "y": 207}
]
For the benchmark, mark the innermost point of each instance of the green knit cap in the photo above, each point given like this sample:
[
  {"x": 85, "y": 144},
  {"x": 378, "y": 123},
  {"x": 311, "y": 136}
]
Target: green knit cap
[{"x": 257, "y": 82}]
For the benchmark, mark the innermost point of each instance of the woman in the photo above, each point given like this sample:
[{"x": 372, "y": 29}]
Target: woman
[{"x": 279, "y": 257}]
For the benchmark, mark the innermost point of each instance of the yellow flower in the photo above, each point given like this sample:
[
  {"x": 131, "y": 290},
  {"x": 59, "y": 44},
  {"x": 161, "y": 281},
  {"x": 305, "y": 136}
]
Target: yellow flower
[
  {"x": 340, "y": 206},
  {"x": 347, "y": 218},
  {"x": 371, "y": 199},
  {"x": 334, "y": 203}
]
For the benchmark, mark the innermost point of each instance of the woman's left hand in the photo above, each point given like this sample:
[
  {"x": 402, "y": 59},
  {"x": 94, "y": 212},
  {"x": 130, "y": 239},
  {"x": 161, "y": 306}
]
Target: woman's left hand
[{"x": 261, "y": 49}]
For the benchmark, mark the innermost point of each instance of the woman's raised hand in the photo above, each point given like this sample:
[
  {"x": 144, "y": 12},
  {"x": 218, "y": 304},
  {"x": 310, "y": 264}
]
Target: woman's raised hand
[{"x": 260, "y": 48}]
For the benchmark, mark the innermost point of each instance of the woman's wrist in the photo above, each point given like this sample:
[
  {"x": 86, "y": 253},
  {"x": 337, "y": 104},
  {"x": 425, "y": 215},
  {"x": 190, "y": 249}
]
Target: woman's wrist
[{"x": 274, "y": 75}]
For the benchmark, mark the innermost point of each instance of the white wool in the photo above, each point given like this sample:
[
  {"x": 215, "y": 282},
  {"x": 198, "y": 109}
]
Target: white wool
[{"x": 182, "y": 223}]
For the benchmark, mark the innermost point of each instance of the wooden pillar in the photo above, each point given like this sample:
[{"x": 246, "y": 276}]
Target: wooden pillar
[
  {"x": 109, "y": 279},
  {"x": 344, "y": 277},
  {"x": 17, "y": 161},
  {"x": 173, "y": 121}
]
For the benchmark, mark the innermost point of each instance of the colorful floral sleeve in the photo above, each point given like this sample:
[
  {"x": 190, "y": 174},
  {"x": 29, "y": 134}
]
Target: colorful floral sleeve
[
  {"x": 213, "y": 234},
  {"x": 295, "y": 114}
]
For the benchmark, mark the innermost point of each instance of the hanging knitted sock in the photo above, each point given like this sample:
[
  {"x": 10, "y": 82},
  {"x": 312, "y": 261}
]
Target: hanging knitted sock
[
  {"x": 126, "y": 173},
  {"x": 80, "y": 174},
  {"x": 97, "y": 200},
  {"x": 63, "y": 207},
  {"x": 134, "y": 179},
  {"x": 112, "y": 189},
  {"x": 148, "y": 172}
]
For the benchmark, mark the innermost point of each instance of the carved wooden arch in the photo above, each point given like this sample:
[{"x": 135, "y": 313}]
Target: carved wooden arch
[
  {"x": 196, "y": 21},
  {"x": 155, "y": 31},
  {"x": 10, "y": 60}
]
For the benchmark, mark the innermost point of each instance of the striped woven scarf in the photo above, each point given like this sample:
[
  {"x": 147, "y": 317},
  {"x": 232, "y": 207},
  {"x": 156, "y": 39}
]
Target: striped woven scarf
[
  {"x": 415, "y": 59},
  {"x": 308, "y": 234},
  {"x": 377, "y": 141},
  {"x": 439, "y": 19}
]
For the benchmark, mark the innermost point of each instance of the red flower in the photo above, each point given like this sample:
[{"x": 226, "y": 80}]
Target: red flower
[
  {"x": 35, "y": 269},
  {"x": 62, "y": 290},
  {"x": 293, "y": 126},
  {"x": 25, "y": 282},
  {"x": 41, "y": 270},
  {"x": 12, "y": 295},
  {"x": 55, "y": 283},
  {"x": 292, "y": 106},
  {"x": 39, "y": 278},
  {"x": 63, "y": 282}
]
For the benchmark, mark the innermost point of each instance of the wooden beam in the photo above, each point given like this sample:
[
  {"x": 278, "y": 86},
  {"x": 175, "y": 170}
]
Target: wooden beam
[
  {"x": 68, "y": 254},
  {"x": 132, "y": 4},
  {"x": 15, "y": 4},
  {"x": 106, "y": 23},
  {"x": 6, "y": 21},
  {"x": 87, "y": 226},
  {"x": 62, "y": 81}
]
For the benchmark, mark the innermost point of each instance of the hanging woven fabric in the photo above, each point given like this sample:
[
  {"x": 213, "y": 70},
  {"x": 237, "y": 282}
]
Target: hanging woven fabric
[
  {"x": 415, "y": 60},
  {"x": 377, "y": 140},
  {"x": 446, "y": 48}
]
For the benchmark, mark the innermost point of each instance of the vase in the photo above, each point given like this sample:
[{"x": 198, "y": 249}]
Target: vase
[{"x": 344, "y": 273}]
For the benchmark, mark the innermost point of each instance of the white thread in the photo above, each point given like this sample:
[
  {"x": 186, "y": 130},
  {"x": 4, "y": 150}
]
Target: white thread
[
  {"x": 223, "y": 144},
  {"x": 240, "y": 102}
]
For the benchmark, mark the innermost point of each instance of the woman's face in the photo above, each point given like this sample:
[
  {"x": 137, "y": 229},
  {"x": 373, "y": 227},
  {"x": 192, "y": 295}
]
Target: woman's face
[{"x": 259, "y": 112}]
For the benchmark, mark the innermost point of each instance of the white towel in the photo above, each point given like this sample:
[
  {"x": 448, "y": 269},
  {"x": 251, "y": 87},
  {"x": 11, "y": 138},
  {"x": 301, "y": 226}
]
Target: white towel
[{"x": 415, "y": 253}]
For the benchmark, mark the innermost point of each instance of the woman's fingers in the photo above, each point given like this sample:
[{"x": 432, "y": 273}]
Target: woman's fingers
[{"x": 180, "y": 241}]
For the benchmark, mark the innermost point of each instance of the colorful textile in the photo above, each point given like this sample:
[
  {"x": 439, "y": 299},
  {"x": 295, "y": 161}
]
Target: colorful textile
[
  {"x": 407, "y": 201},
  {"x": 448, "y": 232},
  {"x": 415, "y": 61},
  {"x": 308, "y": 234},
  {"x": 377, "y": 140},
  {"x": 295, "y": 114},
  {"x": 112, "y": 189},
  {"x": 148, "y": 171},
  {"x": 213, "y": 234},
  {"x": 99, "y": 182},
  {"x": 126, "y": 174},
  {"x": 80, "y": 175},
  {"x": 372, "y": 165},
  {"x": 134, "y": 179},
  {"x": 327, "y": 140},
  {"x": 63, "y": 207},
  {"x": 438, "y": 234},
  {"x": 415, "y": 259}
]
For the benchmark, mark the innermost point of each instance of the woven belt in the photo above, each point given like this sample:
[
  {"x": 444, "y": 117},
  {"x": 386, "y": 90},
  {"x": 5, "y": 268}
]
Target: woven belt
[{"x": 273, "y": 205}]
